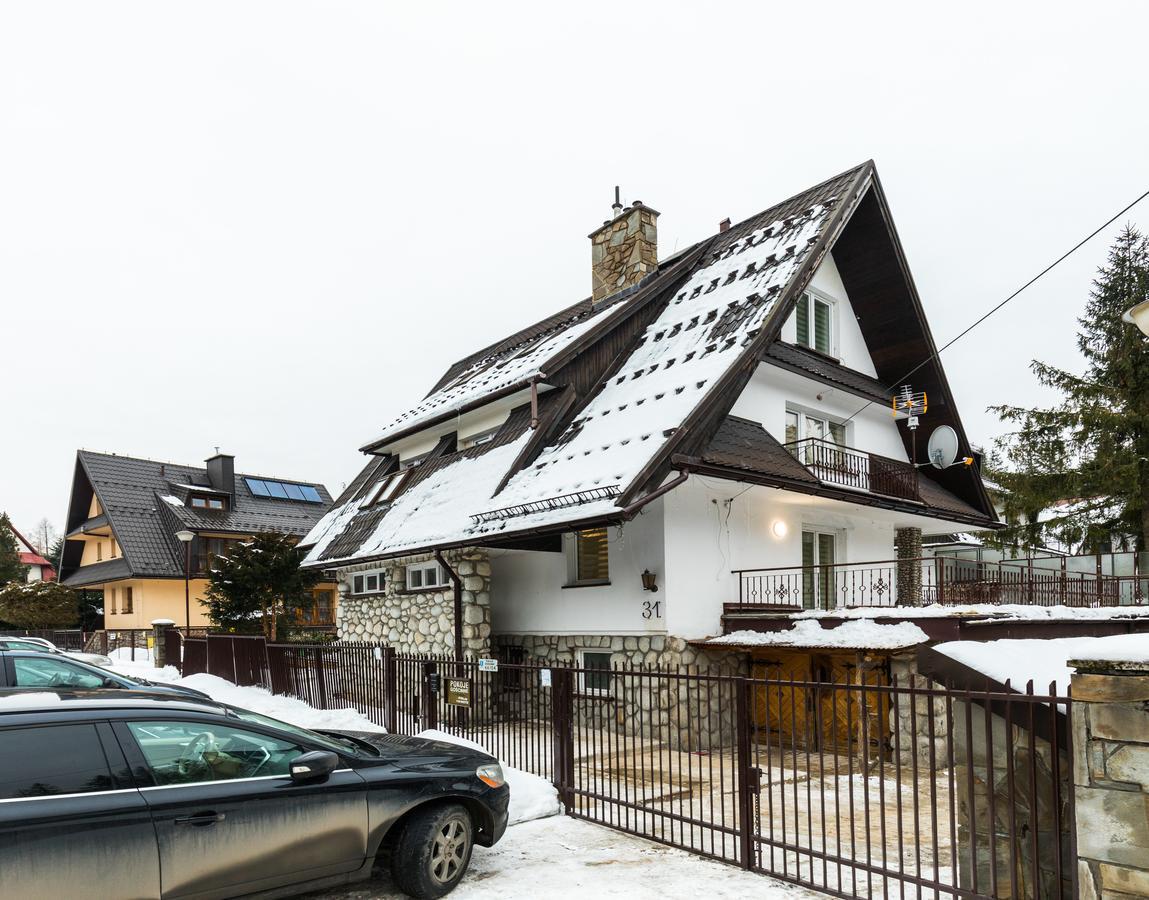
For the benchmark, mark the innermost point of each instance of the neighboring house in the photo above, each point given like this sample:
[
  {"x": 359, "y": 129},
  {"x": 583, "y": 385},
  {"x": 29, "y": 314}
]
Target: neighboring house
[
  {"x": 124, "y": 516},
  {"x": 594, "y": 479},
  {"x": 39, "y": 569}
]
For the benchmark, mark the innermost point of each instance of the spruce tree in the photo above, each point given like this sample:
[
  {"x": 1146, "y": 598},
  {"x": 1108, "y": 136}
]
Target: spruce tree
[
  {"x": 1086, "y": 458},
  {"x": 11, "y": 569}
]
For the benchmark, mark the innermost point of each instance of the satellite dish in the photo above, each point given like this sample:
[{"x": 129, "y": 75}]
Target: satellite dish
[{"x": 943, "y": 447}]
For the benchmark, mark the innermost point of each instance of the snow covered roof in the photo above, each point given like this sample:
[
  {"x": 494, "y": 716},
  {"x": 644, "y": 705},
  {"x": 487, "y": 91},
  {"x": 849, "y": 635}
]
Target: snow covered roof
[
  {"x": 1044, "y": 661},
  {"x": 639, "y": 379},
  {"x": 857, "y": 635},
  {"x": 491, "y": 375}
]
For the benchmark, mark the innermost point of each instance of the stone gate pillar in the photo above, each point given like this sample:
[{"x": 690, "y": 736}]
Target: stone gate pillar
[
  {"x": 908, "y": 547},
  {"x": 1111, "y": 778}
]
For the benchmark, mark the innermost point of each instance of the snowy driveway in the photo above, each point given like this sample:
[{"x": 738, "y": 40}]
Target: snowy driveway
[{"x": 561, "y": 857}]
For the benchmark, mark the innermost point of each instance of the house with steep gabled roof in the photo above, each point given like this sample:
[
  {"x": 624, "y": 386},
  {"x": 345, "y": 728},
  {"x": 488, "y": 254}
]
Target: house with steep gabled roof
[
  {"x": 587, "y": 487},
  {"x": 125, "y": 516},
  {"x": 39, "y": 568}
]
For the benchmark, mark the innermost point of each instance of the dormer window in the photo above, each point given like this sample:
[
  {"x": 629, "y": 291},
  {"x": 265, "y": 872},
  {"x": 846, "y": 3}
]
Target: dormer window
[
  {"x": 815, "y": 320},
  {"x": 201, "y": 501}
]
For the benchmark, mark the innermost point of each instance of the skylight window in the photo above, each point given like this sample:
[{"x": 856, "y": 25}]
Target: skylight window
[{"x": 283, "y": 490}]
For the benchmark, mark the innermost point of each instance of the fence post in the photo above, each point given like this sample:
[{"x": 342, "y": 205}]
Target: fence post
[
  {"x": 390, "y": 690},
  {"x": 746, "y": 780},
  {"x": 430, "y": 709},
  {"x": 562, "y": 720},
  {"x": 940, "y": 566},
  {"x": 320, "y": 678}
]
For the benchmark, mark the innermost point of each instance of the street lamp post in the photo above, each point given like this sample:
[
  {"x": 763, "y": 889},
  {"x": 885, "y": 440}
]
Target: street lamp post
[
  {"x": 186, "y": 538},
  {"x": 1139, "y": 316}
]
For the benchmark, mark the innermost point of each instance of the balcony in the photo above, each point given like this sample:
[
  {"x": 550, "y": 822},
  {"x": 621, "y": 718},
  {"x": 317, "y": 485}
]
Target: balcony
[
  {"x": 1093, "y": 581},
  {"x": 856, "y": 470}
]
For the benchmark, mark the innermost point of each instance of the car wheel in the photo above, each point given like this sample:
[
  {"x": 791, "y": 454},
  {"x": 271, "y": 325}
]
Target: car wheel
[{"x": 433, "y": 851}]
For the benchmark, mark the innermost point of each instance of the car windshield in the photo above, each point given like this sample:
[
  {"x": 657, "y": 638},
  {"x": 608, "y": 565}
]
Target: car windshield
[{"x": 330, "y": 741}]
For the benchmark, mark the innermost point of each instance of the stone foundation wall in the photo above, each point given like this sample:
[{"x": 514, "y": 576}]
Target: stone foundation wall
[
  {"x": 1111, "y": 779},
  {"x": 422, "y": 621},
  {"x": 908, "y": 547},
  {"x": 688, "y": 714},
  {"x": 911, "y": 722}
]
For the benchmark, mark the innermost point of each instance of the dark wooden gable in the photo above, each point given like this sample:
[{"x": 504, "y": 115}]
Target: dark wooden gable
[{"x": 877, "y": 279}]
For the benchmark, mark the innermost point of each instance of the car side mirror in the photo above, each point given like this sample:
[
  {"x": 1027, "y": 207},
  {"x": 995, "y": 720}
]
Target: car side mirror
[{"x": 313, "y": 766}]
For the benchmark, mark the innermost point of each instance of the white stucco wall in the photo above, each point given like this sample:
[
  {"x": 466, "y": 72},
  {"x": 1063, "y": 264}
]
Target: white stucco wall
[
  {"x": 850, "y": 345},
  {"x": 714, "y": 527},
  {"x": 527, "y": 593},
  {"x": 772, "y": 388}
]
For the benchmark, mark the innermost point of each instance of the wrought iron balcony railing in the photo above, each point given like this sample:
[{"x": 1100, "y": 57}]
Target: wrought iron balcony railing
[{"x": 856, "y": 469}]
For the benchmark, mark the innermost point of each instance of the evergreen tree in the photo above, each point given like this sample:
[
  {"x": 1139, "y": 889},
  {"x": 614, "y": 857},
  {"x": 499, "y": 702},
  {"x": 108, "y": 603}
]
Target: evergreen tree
[
  {"x": 259, "y": 585},
  {"x": 1085, "y": 459},
  {"x": 11, "y": 569},
  {"x": 41, "y": 604}
]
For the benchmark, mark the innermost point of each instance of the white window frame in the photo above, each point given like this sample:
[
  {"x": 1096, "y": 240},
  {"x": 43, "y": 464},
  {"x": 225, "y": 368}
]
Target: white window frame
[
  {"x": 802, "y": 413},
  {"x": 423, "y": 568},
  {"x": 571, "y": 550},
  {"x": 580, "y": 660},
  {"x": 478, "y": 439},
  {"x": 814, "y": 297},
  {"x": 381, "y": 583}
]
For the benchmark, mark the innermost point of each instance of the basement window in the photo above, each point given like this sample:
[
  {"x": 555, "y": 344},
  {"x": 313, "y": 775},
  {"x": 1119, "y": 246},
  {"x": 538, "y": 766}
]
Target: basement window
[
  {"x": 421, "y": 576},
  {"x": 815, "y": 320},
  {"x": 595, "y": 675},
  {"x": 369, "y": 582}
]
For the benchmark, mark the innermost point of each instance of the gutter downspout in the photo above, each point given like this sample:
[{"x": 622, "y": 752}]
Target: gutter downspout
[
  {"x": 458, "y": 585},
  {"x": 632, "y": 510},
  {"x": 534, "y": 403}
]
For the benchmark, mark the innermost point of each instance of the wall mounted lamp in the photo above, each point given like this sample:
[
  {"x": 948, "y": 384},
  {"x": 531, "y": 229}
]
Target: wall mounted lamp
[{"x": 648, "y": 584}]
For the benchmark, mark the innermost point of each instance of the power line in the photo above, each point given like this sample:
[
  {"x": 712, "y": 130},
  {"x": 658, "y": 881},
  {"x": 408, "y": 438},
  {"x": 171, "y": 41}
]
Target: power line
[{"x": 1085, "y": 240}]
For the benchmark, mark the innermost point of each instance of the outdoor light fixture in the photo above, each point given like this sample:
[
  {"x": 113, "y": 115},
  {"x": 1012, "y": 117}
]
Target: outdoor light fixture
[
  {"x": 779, "y": 528},
  {"x": 1139, "y": 316},
  {"x": 187, "y": 537},
  {"x": 648, "y": 581}
]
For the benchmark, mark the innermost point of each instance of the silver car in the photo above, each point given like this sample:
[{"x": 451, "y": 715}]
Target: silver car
[{"x": 35, "y": 643}]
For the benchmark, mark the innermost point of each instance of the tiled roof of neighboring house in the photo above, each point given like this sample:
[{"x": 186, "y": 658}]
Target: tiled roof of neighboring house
[
  {"x": 144, "y": 503},
  {"x": 108, "y": 570},
  {"x": 669, "y": 357},
  {"x": 811, "y": 362}
]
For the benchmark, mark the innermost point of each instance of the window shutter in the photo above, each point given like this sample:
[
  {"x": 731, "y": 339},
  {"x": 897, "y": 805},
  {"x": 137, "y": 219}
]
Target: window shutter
[
  {"x": 593, "y": 558},
  {"x": 822, "y": 327},
  {"x": 803, "y": 317}
]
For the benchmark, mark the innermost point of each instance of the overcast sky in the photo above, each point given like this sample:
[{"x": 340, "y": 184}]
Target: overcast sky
[{"x": 269, "y": 227}]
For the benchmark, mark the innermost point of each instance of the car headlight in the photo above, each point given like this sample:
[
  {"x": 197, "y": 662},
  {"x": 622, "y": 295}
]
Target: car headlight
[{"x": 491, "y": 774}]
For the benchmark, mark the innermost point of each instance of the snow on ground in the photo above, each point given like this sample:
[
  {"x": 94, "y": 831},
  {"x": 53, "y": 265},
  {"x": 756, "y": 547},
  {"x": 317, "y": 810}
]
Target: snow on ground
[
  {"x": 856, "y": 635},
  {"x": 1044, "y": 661},
  {"x": 532, "y": 797},
  {"x": 564, "y": 857},
  {"x": 975, "y": 610}
]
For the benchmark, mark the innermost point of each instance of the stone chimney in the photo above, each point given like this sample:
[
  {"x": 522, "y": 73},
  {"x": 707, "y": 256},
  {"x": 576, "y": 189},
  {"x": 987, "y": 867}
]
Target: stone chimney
[
  {"x": 624, "y": 250},
  {"x": 221, "y": 472}
]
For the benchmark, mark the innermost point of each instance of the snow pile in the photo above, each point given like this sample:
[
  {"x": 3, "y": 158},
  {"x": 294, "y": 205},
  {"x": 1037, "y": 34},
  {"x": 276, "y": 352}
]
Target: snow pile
[
  {"x": 1044, "y": 661},
  {"x": 532, "y": 797},
  {"x": 1006, "y": 611},
  {"x": 20, "y": 701},
  {"x": 857, "y": 635},
  {"x": 143, "y": 656}
]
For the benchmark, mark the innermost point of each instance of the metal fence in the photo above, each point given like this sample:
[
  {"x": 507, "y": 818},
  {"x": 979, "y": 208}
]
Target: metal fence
[
  {"x": 1031, "y": 581},
  {"x": 858, "y": 786},
  {"x": 64, "y": 638}
]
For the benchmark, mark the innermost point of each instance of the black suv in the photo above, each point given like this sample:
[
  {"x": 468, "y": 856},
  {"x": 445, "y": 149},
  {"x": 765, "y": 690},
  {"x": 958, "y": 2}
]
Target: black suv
[
  {"x": 122, "y": 796},
  {"x": 34, "y": 670}
]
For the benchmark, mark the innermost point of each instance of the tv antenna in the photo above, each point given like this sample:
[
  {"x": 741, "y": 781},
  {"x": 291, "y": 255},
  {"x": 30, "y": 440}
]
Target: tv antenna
[{"x": 909, "y": 404}]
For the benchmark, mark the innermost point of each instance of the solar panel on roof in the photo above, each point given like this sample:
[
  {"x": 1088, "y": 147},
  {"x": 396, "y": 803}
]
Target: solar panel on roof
[
  {"x": 276, "y": 489},
  {"x": 283, "y": 490}
]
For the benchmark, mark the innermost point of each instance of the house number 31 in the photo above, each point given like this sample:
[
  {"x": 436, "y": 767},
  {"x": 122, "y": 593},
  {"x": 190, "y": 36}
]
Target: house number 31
[{"x": 652, "y": 609}]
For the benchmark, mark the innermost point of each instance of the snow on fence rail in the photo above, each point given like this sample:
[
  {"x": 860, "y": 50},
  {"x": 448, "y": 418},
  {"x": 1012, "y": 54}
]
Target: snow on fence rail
[{"x": 860, "y": 786}]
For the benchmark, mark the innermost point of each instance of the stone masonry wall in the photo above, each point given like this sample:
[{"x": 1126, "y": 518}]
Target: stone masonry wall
[
  {"x": 422, "y": 621},
  {"x": 1111, "y": 778},
  {"x": 689, "y": 714},
  {"x": 908, "y": 547}
]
